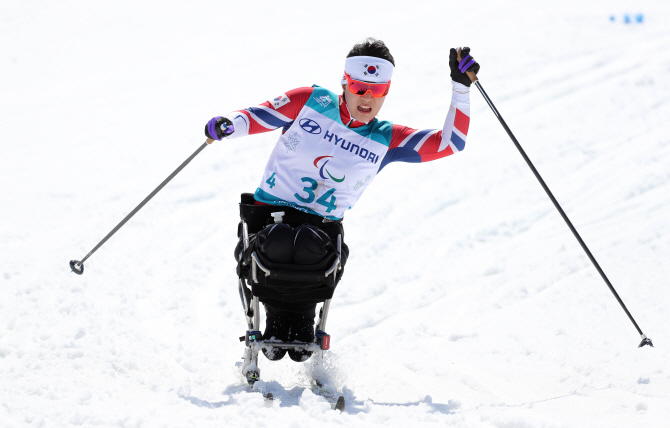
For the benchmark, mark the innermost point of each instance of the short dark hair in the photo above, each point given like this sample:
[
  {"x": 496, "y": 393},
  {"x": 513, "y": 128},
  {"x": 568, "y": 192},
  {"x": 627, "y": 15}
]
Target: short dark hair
[{"x": 372, "y": 47}]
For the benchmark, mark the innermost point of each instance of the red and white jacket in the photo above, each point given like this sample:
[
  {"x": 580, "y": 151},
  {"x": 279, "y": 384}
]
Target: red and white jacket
[{"x": 407, "y": 144}]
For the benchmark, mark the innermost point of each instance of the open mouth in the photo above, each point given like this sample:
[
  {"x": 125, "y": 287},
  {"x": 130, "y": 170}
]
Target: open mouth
[{"x": 364, "y": 109}]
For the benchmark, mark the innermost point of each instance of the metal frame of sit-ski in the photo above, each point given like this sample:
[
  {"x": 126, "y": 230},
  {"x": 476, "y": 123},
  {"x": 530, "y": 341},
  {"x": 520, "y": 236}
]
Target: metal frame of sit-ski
[{"x": 253, "y": 337}]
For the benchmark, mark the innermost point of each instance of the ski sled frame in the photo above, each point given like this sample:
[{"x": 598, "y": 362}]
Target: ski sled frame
[{"x": 251, "y": 305}]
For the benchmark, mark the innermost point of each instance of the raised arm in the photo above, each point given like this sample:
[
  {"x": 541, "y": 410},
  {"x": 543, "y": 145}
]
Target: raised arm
[{"x": 413, "y": 145}]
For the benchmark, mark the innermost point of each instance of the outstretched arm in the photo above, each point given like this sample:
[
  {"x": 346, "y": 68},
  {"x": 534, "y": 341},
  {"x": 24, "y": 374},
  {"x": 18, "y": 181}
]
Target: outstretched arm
[{"x": 277, "y": 113}]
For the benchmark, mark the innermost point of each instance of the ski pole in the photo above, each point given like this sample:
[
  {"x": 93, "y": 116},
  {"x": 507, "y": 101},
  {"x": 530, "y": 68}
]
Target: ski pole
[
  {"x": 78, "y": 266},
  {"x": 473, "y": 77}
]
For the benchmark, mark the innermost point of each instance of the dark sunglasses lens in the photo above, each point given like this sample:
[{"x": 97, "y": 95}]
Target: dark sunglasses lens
[
  {"x": 379, "y": 91},
  {"x": 358, "y": 88}
]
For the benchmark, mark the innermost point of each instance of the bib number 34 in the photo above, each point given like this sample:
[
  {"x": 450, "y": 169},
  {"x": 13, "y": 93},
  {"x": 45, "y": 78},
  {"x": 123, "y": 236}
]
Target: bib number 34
[{"x": 328, "y": 199}]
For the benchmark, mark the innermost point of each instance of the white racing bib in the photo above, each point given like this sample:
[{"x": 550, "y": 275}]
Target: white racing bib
[{"x": 319, "y": 165}]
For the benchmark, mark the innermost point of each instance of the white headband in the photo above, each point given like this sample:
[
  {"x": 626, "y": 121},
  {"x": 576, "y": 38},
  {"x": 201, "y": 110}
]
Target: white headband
[{"x": 368, "y": 69}]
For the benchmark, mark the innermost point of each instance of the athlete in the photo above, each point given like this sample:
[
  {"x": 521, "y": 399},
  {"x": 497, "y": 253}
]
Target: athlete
[{"x": 331, "y": 148}]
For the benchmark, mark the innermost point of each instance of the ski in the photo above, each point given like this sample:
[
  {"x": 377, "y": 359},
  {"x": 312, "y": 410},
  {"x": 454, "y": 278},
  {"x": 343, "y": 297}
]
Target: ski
[
  {"x": 335, "y": 399},
  {"x": 339, "y": 405}
]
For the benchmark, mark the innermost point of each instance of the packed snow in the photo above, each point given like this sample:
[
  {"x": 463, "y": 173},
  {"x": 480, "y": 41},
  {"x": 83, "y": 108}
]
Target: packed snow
[{"x": 466, "y": 300}]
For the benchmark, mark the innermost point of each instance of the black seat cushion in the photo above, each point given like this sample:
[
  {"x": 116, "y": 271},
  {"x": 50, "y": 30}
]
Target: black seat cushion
[
  {"x": 310, "y": 245},
  {"x": 276, "y": 242}
]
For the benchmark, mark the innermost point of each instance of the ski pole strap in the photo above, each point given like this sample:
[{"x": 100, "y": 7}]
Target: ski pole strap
[{"x": 464, "y": 64}]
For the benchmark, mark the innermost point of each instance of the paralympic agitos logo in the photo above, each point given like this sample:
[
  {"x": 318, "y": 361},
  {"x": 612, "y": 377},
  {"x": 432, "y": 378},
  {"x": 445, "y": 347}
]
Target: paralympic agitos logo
[{"x": 323, "y": 168}]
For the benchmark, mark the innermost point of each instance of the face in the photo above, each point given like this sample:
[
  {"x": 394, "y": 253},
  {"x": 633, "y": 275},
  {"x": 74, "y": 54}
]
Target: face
[{"x": 362, "y": 107}]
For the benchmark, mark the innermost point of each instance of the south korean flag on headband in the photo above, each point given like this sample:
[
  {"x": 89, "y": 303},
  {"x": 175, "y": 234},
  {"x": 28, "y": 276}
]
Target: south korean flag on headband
[{"x": 368, "y": 69}]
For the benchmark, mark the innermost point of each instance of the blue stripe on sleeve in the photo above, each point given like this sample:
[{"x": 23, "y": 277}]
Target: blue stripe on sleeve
[
  {"x": 287, "y": 126},
  {"x": 416, "y": 138},
  {"x": 400, "y": 154},
  {"x": 458, "y": 141},
  {"x": 267, "y": 117}
]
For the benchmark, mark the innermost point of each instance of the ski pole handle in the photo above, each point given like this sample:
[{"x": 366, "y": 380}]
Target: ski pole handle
[{"x": 470, "y": 74}]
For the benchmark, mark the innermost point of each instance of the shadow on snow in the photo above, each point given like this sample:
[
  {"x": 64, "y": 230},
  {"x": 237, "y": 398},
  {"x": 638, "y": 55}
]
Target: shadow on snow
[{"x": 291, "y": 397}]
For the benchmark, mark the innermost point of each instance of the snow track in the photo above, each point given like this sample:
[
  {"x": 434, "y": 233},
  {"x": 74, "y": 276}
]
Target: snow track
[{"x": 466, "y": 300}]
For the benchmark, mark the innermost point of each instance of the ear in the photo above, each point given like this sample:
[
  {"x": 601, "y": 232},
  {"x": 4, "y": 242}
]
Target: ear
[{"x": 344, "y": 87}]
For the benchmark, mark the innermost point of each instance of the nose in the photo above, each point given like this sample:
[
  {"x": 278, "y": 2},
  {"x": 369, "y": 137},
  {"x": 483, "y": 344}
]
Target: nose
[{"x": 367, "y": 95}]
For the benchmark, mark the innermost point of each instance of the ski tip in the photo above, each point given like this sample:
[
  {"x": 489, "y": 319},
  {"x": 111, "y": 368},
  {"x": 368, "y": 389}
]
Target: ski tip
[
  {"x": 340, "y": 404},
  {"x": 269, "y": 399}
]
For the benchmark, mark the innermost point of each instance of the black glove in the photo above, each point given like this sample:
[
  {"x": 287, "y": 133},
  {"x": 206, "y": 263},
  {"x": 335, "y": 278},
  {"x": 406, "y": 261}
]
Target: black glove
[
  {"x": 214, "y": 127},
  {"x": 458, "y": 70}
]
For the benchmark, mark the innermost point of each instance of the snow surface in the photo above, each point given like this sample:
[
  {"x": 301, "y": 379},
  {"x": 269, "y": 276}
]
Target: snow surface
[{"x": 466, "y": 301}]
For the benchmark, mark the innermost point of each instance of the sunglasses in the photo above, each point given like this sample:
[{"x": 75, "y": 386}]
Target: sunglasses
[{"x": 377, "y": 90}]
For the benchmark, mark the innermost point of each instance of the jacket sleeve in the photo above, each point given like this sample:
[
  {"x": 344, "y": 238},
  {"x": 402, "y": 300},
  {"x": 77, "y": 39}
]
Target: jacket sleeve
[
  {"x": 277, "y": 113},
  {"x": 413, "y": 145}
]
